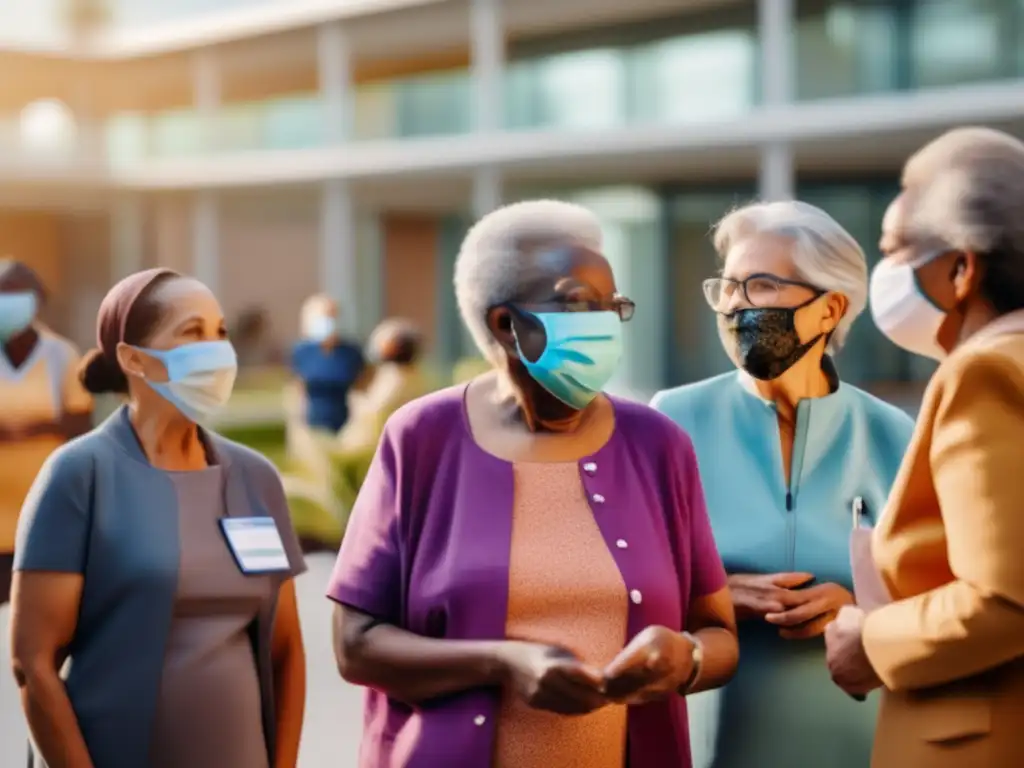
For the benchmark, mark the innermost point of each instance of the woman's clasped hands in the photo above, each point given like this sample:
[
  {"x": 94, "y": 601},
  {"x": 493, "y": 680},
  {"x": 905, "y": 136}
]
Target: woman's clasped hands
[
  {"x": 790, "y": 601},
  {"x": 655, "y": 664}
]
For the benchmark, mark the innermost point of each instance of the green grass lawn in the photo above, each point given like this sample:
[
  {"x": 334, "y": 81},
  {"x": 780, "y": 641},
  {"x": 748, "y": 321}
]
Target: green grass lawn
[
  {"x": 268, "y": 439},
  {"x": 316, "y": 527}
]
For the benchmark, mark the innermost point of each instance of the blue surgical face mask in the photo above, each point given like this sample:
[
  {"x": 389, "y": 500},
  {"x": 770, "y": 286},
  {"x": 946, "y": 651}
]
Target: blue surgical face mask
[
  {"x": 200, "y": 377},
  {"x": 321, "y": 328},
  {"x": 17, "y": 311},
  {"x": 580, "y": 356}
]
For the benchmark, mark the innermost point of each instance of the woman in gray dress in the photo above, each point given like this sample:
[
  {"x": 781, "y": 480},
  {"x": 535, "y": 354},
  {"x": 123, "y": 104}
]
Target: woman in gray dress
[{"x": 158, "y": 558}]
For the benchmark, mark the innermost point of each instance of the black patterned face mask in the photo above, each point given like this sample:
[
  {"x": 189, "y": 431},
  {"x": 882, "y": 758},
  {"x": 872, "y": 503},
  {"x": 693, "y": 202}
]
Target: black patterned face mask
[{"x": 764, "y": 340}]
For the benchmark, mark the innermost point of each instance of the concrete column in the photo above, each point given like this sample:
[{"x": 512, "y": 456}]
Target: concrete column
[
  {"x": 775, "y": 28},
  {"x": 370, "y": 269},
  {"x": 206, "y": 93},
  {"x": 777, "y": 172},
  {"x": 335, "y": 76},
  {"x": 127, "y": 221},
  {"x": 487, "y": 45},
  {"x": 338, "y": 273},
  {"x": 206, "y": 239},
  {"x": 487, "y": 190}
]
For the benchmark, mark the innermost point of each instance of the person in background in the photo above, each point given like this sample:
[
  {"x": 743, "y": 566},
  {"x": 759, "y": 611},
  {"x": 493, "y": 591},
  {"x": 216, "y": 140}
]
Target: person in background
[
  {"x": 42, "y": 404},
  {"x": 395, "y": 349},
  {"x": 791, "y": 458},
  {"x": 327, "y": 366},
  {"x": 159, "y": 558},
  {"x": 949, "y": 647},
  {"x": 514, "y": 533},
  {"x": 253, "y": 341}
]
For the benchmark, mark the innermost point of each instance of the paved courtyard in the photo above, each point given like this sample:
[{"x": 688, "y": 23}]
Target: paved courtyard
[{"x": 333, "y": 709}]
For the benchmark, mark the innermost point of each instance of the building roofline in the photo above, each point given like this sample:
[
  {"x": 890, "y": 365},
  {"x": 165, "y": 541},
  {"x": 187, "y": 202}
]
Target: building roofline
[{"x": 212, "y": 29}]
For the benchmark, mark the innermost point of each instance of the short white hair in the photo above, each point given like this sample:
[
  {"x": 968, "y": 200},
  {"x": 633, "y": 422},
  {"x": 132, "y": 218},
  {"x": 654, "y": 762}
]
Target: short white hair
[
  {"x": 965, "y": 191},
  {"x": 824, "y": 254},
  {"x": 488, "y": 269}
]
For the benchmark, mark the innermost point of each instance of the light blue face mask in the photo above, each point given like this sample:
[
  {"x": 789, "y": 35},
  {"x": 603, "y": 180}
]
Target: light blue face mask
[
  {"x": 200, "y": 377},
  {"x": 17, "y": 311},
  {"x": 321, "y": 328},
  {"x": 580, "y": 356}
]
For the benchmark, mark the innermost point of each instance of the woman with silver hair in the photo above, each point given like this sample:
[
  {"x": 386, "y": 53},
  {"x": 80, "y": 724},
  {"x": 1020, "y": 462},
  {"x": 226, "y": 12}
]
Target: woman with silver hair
[
  {"x": 792, "y": 459},
  {"x": 528, "y": 577},
  {"x": 948, "y": 643}
]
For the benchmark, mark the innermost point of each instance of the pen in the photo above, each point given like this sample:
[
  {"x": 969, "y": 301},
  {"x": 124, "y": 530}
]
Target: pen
[{"x": 858, "y": 513}]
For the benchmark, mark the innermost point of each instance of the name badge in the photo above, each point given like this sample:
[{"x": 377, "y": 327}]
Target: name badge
[{"x": 256, "y": 544}]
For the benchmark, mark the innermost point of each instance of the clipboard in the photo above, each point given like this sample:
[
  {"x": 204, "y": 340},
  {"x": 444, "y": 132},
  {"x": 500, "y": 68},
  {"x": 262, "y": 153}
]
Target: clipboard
[{"x": 868, "y": 588}]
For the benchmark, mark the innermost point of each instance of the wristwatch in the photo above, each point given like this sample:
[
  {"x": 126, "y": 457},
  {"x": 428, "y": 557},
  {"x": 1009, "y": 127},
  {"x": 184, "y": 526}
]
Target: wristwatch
[{"x": 697, "y": 659}]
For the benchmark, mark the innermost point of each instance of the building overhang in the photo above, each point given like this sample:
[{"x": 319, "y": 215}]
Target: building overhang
[
  {"x": 867, "y": 134},
  {"x": 836, "y": 120},
  {"x": 432, "y": 24}
]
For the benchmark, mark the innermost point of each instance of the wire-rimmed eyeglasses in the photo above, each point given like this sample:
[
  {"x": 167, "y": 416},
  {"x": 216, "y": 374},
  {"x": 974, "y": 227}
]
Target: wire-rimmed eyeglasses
[{"x": 758, "y": 290}]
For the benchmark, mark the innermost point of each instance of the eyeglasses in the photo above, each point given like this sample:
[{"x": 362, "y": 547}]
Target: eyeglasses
[
  {"x": 758, "y": 290},
  {"x": 620, "y": 305}
]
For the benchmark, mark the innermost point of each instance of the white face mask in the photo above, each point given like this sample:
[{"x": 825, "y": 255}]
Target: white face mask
[
  {"x": 200, "y": 377},
  {"x": 321, "y": 328},
  {"x": 902, "y": 311}
]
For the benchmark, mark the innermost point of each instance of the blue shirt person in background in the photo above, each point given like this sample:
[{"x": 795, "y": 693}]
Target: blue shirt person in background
[
  {"x": 327, "y": 366},
  {"x": 786, "y": 452}
]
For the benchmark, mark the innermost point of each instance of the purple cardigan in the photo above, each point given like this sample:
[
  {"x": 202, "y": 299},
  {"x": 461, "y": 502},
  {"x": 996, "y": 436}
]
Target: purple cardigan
[{"x": 427, "y": 549}]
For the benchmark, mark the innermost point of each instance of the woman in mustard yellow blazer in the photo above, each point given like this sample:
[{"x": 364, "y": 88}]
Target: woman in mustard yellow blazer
[{"x": 949, "y": 647}]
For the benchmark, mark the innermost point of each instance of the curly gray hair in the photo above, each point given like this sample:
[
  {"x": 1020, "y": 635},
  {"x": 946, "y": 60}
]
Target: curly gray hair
[{"x": 488, "y": 268}]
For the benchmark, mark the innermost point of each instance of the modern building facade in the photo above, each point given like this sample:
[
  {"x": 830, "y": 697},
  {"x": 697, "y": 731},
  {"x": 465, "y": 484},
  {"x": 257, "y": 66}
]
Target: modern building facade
[{"x": 276, "y": 147}]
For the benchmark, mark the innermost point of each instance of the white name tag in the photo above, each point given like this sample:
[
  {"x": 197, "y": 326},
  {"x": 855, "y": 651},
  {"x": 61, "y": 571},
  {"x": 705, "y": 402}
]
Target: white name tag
[{"x": 256, "y": 544}]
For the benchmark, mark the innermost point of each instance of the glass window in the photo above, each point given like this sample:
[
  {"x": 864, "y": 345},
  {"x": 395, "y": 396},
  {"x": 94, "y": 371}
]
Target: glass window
[
  {"x": 375, "y": 112},
  {"x": 238, "y": 127},
  {"x": 1018, "y": 37},
  {"x": 434, "y": 104},
  {"x": 711, "y": 76},
  {"x": 581, "y": 90},
  {"x": 844, "y": 49},
  {"x": 522, "y": 108},
  {"x": 958, "y": 41},
  {"x": 126, "y": 137},
  {"x": 292, "y": 123},
  {"x": 176, "y": 133}
]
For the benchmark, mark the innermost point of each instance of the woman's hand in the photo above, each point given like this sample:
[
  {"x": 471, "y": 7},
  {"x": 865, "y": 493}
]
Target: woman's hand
[
  {"x": 848, "y": 663},
  {"x": 754, "y": 596},
  {"x": 655, "y": 664},
  {"x": 820, "y": 606},
  {"x": 551, "y": 678}
]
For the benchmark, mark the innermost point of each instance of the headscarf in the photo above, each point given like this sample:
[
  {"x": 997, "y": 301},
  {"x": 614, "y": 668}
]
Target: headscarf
[{"x": 117, "y": 306}]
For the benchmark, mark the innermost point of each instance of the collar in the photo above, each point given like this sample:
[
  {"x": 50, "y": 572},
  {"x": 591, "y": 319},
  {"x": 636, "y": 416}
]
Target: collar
[
  {"x": 118, "y": 428},
  {"x": 827, "y": 366},
  {"x": 1011, "y": 322}
]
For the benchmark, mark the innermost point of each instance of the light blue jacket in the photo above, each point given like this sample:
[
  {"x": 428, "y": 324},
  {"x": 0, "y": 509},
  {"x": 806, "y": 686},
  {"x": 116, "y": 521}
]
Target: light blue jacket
[{"x": 782, "y": 709}]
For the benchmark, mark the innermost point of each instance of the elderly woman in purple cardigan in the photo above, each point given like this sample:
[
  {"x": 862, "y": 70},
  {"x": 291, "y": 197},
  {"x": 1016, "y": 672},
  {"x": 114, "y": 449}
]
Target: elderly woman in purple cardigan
[{"x": 529, "y": 579}]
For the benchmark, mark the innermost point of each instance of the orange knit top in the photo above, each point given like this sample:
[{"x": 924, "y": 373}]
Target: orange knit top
[{"x": 564, "y": 589}]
